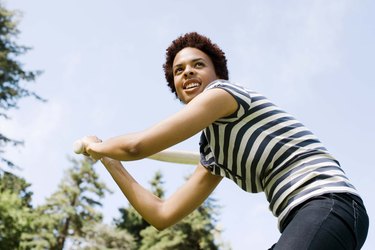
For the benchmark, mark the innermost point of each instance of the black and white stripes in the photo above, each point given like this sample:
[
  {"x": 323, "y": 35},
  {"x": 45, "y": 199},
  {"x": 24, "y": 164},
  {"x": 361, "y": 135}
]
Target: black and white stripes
[{"x": 262, "y": 148}]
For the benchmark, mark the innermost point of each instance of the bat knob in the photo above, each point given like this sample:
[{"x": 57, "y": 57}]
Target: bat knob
[{"x": 78, "y": 147}]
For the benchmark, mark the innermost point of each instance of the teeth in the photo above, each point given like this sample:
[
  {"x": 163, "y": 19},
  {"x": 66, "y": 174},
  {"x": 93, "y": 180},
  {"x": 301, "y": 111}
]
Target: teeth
[{"x": 192, "y": 85}]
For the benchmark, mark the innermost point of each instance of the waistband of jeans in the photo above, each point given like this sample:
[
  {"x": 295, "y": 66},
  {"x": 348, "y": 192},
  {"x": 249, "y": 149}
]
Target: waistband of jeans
[{"x": 345, "y": 196}]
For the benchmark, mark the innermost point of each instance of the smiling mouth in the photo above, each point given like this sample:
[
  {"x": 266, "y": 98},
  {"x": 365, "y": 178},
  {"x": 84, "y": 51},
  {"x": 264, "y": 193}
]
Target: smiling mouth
[{"x": 191, "y": 84}]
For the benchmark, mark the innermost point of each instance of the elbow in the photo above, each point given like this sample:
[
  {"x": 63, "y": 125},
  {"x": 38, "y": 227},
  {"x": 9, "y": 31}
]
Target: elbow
[
  {"x": 132, "y": 151},
  {"x": 134, "y": 147},
  {"x": 162, "y": 221},
  {"x": 160, "y": 226}
]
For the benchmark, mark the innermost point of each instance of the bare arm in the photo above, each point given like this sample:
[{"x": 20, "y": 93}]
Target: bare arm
[
  {"x": 157, "y": 212},
  {"x": 194, "y": 117}
]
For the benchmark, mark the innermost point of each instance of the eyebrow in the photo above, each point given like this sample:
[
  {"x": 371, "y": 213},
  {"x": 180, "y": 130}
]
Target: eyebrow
[{"x": 194, "y": 60}]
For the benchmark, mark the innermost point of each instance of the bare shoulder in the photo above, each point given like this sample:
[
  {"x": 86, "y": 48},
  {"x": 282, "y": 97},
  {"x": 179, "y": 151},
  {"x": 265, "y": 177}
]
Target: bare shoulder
[{"x": 216, "y": 101}]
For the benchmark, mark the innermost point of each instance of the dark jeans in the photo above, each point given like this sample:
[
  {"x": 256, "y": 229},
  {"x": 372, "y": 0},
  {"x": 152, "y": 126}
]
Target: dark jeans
[{"x": 330, "y": 221}]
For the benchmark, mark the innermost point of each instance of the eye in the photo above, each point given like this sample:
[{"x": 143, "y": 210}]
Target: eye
[
  {"x": 199, "y": 65},
  {"x": 177, "y": 71}
]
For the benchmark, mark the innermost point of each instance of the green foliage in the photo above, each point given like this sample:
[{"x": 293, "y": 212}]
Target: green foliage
[
  {"x": 104, "y": 237},
  {"x": 70, "y": 211},
  {"x": 157, "y": 185},
  {"x": 16, "y": 185},
  {"x": 132, "y": 222},
  {"x": 15, "y": 210},
  {"x": 13, "y": 76},
  {"x": 15, "y": 219},
  {"x": 70, "y": 215}
]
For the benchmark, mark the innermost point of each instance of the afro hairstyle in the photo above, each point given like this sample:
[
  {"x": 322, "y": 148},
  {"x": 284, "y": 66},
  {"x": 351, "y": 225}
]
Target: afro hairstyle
[{"x": 204, "y": 44}]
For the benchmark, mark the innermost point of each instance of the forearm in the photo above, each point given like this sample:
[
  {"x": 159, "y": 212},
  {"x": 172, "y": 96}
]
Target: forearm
[
  {"x": 146, "y": 203},
  {"x": 134, "y": 146},
  {"x": 123, "y": 148},
  {"x": 159, "y": 213}
]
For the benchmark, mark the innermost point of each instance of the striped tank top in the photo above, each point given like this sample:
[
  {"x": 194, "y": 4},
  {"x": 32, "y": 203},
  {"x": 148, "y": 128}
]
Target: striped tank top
[{"x": 262, "y": 148}]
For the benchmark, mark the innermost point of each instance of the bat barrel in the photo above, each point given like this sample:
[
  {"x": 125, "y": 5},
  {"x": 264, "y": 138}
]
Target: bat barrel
[{"x": 177, "y": 156}]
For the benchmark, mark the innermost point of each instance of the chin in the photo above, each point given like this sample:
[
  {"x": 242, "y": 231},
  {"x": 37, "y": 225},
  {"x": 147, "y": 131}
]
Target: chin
[{"x": 185, "y": 100}]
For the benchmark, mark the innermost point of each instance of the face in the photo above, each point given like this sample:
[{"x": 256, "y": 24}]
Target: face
[{"x": 193, "y": 70}]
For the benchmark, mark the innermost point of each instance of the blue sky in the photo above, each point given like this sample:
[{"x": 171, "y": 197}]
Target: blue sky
[{"x": 103, "y": 76}]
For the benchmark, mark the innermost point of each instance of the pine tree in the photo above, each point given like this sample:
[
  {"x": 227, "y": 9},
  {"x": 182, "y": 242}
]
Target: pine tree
[
  {"x": 15, "y": 210},
  {"x": 13, "y": 76},
  {"x": 16, "y": 185},
  {"x": 69, "y": 212},
  {"x": 102, "y": 236}
]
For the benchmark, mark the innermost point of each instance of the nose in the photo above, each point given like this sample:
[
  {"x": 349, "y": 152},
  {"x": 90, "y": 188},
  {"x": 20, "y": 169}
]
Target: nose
[{"x": 189, "y": 71}]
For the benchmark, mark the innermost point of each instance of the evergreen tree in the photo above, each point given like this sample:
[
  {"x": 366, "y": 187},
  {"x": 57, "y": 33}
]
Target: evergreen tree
[
  {"x": 70, "y": 212},
  {"x": 16, "y": 185},
  {"x": 13, "y": 76},
  {"x": 15, "y": 210},
  {"x": 106, "y": 237},
  {"x": 132, "y": 222}
]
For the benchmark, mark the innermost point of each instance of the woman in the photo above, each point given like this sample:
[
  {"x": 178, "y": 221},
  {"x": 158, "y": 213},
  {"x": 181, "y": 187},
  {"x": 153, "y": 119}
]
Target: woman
[{"x": 245, "y": 138}]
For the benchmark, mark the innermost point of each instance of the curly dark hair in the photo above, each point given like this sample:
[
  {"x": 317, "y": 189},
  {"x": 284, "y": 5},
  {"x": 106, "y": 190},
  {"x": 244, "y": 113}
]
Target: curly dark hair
[{"x": 195, "y": 40}]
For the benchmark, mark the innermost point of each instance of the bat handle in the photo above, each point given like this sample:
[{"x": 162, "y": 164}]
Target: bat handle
[{"x": 78, "y": 147}]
